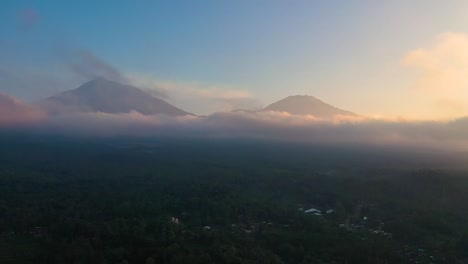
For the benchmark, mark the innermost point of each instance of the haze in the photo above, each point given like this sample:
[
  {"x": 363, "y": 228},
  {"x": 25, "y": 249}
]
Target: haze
[{"x": 393, "y": 59}]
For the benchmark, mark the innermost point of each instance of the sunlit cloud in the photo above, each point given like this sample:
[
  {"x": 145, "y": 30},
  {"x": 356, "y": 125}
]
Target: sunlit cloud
[{"x": 443, "y": 72}]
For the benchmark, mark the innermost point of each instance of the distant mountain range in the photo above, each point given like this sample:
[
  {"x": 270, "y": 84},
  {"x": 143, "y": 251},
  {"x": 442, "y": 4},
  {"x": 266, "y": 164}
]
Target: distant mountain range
[{"x": 106, "y": 96}]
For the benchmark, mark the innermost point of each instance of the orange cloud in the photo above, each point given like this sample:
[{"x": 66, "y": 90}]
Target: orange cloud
[{"x": 442, "y": 72}]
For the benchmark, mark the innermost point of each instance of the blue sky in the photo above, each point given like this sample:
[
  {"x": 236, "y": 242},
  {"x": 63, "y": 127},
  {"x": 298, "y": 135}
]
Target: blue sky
[{"x": 347, "y": 53}]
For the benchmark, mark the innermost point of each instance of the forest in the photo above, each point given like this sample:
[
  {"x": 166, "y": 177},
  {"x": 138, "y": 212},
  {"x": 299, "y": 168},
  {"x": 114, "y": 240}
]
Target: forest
[{"x": 122, "y": 200}]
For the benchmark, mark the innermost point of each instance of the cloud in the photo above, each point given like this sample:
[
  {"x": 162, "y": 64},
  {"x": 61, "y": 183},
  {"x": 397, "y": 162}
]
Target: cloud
[
  {"x": 14, "y": 112},
  {"x": 198, "y": 97},
  {"x": 278, "y": 126},
  {"x": 442, "y": 73},
  {"x": 443, "y": 65},
  {"x": 105, "y": 124},
  {"x": 342, "y": 130}
]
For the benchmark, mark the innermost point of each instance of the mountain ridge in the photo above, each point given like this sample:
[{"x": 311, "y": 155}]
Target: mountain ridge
[{"x": 101, "y": 95}]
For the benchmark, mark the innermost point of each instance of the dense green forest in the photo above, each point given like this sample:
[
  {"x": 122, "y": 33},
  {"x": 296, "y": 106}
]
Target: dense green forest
[{"x": 167, "y": 201}]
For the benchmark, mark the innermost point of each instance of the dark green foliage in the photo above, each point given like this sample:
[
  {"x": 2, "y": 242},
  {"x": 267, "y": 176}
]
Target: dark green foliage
[{"x": 65, "y": 201}]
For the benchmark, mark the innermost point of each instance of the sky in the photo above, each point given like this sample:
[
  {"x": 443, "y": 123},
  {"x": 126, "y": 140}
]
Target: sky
[{"x": 377, "y": 58}]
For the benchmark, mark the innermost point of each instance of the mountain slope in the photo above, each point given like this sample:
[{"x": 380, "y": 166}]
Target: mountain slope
[
  {"x": 106, "y": 96},
  {"x": 306, "y": 105}
]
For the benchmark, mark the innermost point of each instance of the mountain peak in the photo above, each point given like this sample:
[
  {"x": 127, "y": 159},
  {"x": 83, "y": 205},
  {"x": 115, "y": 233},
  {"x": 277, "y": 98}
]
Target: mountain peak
[
  {"x": 102, "y": 95},
  {"x": 301, "y": 95},
  {"x": 102, "y": 84},
  {"x": 306, "y": 105}
]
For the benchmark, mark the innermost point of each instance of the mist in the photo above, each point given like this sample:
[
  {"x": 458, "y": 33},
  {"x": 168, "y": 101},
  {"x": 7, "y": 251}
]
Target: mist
[{"x": 279, "y": 126}]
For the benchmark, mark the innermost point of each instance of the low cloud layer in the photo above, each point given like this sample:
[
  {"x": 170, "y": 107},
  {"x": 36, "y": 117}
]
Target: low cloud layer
[{"x": 261, "y": 125}]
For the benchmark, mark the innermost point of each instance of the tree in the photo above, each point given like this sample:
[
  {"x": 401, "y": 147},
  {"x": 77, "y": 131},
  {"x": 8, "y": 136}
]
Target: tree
[{"x": 150, "y": 261}]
